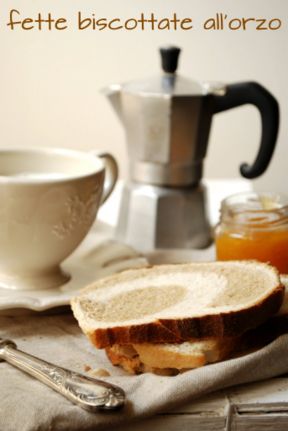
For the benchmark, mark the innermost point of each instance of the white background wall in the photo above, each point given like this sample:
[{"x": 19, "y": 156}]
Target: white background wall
[{"x": 50, "y": 81}]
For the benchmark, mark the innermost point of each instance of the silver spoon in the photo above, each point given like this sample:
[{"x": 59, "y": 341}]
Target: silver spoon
[{"x": 89, "y": 393}]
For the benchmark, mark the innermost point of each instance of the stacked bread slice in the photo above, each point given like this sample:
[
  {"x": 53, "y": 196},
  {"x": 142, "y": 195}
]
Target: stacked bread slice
[{"x": 173, "y": 317}]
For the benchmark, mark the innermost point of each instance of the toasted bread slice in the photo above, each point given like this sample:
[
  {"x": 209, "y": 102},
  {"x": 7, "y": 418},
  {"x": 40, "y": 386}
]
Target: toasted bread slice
[
  {"x": 190, "y": 354},
  {"x": 176, "y": 303},
  {"x": 169, "y": 359}
]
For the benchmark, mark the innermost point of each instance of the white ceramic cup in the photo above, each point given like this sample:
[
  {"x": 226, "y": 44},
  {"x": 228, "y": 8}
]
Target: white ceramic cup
[{"x": 48, "y": 201}]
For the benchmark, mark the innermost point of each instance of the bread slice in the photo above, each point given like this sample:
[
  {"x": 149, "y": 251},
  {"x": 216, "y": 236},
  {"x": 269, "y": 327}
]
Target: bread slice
[
  {"x": 190, "y": 354},
  {"x": 138, "y": 358},
  {"x": 170, "y": 359},
  {"x": 176, "y": 303}
]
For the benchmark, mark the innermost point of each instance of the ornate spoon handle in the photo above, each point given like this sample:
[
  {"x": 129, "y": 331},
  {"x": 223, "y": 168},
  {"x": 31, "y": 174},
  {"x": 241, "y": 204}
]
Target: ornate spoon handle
[{"x": 89, "y": 393}]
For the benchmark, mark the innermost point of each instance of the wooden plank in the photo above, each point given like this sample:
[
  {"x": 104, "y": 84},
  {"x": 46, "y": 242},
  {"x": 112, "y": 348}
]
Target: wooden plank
[
  {"x": 204, "y": 414},
  {"x": 260, "y": 422},
  {"x": 215, "y": 404},
  {"x": 260, "y": 406},
  {"x": 267, "y": 392},
  {"x": 185, "y": 422},
  {"x": 257, "y": 406}
]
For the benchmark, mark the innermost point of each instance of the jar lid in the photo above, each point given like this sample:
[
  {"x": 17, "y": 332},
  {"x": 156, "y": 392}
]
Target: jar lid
[{"x": 261, "y": 210}]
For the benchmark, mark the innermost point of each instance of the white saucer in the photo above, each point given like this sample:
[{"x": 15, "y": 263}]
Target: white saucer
[{"x": 97, "y": 257}]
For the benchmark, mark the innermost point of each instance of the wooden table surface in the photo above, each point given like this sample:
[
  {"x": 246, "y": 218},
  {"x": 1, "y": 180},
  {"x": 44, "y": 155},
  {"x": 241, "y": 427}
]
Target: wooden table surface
[{"x": 261, "y": 406}]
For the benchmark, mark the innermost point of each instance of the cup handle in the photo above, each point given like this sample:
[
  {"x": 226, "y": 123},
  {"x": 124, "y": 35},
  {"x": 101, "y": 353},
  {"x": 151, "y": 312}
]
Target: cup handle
[{"x": 111, "y": 173}]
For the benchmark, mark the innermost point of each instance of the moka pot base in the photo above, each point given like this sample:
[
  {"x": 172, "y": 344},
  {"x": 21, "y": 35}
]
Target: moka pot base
[{"x": 153, "y": 217}]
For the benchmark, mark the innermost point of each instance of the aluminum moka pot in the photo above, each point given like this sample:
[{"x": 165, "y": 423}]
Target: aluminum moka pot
[{"x": 167, "y": 121}]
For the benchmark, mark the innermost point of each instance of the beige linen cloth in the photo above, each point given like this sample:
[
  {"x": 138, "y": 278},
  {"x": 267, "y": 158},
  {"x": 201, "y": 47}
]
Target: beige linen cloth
[{"x": 29, "y": 405}]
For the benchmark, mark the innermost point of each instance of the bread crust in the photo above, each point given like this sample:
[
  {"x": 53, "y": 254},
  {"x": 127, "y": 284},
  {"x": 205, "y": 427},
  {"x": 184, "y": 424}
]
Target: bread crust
[{"x": 230, "y": 324}]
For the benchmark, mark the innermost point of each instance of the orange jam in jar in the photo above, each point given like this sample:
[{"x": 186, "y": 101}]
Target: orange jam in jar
[{"x": 254, "y": 226}]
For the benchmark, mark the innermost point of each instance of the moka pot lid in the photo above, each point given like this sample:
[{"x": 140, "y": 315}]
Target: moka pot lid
[{"x": 170, "y": 83}]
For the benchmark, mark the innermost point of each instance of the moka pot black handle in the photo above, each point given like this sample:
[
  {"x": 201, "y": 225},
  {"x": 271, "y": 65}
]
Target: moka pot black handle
[{"x": 253, "y": 93}]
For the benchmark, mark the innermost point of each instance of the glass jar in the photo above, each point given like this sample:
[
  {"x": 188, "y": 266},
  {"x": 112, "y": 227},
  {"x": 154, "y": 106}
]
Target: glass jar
[{"x": 254, "y": 226}]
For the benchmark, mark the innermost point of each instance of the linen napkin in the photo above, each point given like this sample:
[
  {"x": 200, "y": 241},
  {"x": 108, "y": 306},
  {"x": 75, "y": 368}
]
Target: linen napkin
[{"x": 29, "y": 405}]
